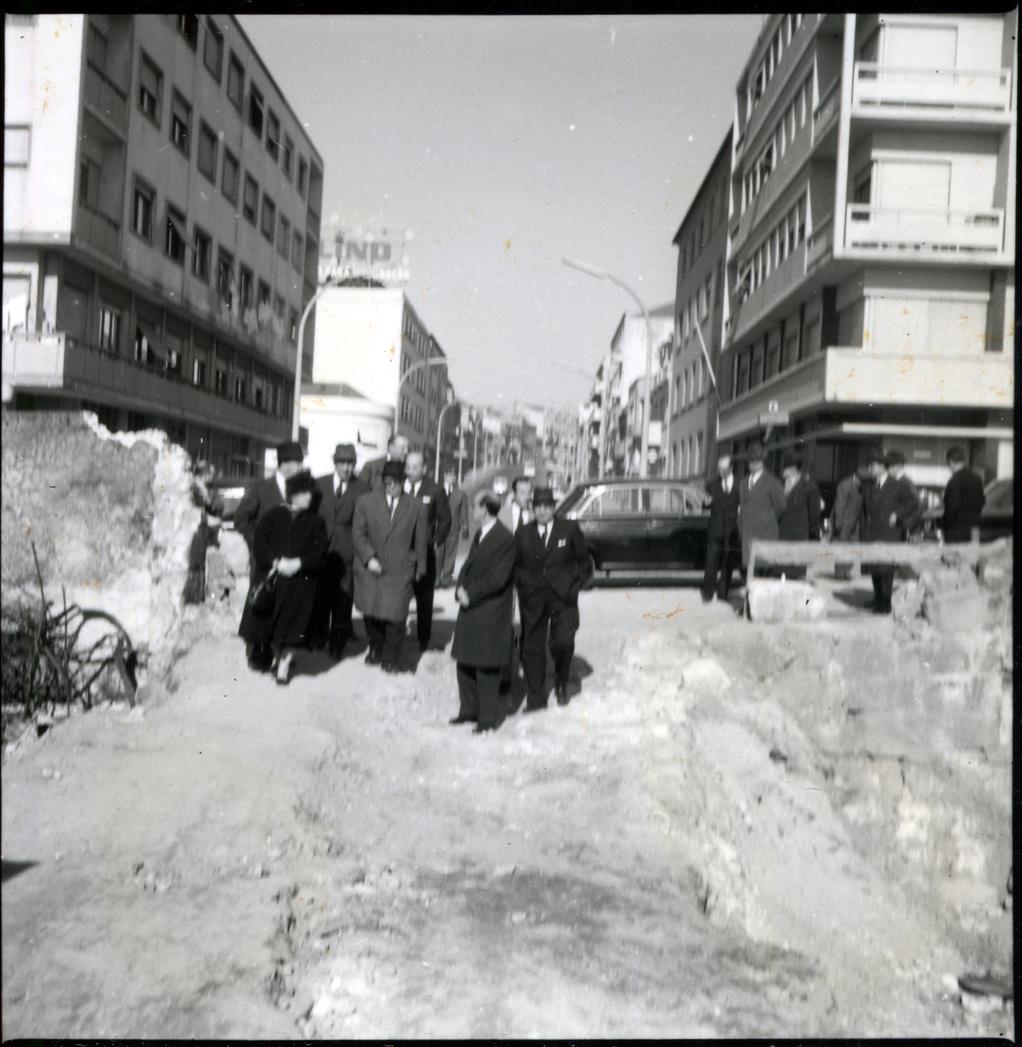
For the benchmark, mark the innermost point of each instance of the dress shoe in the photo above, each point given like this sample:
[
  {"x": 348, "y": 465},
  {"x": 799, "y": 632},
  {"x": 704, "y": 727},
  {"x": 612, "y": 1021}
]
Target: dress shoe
[
  {"x": 481, "y": 728},
  {"x": 462, "y": 719},
  {"x": 372, "y": 657},
  {"x": 283, "y": 673},
  {"x": 561, "y": 690}
]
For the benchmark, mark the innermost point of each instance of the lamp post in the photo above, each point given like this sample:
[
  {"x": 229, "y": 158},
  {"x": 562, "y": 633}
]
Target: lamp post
[
  {"x": 601, "y": 274},
  {"x": 440, "y": 421},
  {"x": 332, "y": 282}
]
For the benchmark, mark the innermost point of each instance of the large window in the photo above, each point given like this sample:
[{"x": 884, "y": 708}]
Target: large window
[
  {"x": 150, "y": 88},
  {"x": 255, "y": 110},
  {"x": 273, "y": 135},
  {"x": 206, "y": 159},
  {"x": 269, "y": 220},
  {"x": 288, "y": 158},
  {"x": 231, "y": 176},
  {"x": 88, "y": 183},
  {"x": 213, "y": 51},
  {"x": 188, "y": 27},
  {"x": 245, "y": 286},
  {"x": 181, "y": 124},
  {"x": 235, "y": 81},
  {"x": 142, "y": 208},
  {"x": 224, "y": 271},
  {"x": 202, "y": 251},
  {"x": 109, "y": 328},
  {"x": 174, "y": 241},
  {"x": 283, "y": 237},
  {"x": 303, "y": 176},
  {"x": 250, "y": 202},
  {"x": 297, "y": 251}
]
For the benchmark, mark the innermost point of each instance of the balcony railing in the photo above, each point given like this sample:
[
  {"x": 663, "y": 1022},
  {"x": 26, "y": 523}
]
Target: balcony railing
[
  {"x": 105, "y": 97},
  {"x": 914, "y": 229},
  {"x": 98, "y": 230},
  {"x": 880, "y": 85}
]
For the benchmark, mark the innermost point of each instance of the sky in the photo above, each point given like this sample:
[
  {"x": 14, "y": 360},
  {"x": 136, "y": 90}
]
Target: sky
[{"x": 505, "y": 144}]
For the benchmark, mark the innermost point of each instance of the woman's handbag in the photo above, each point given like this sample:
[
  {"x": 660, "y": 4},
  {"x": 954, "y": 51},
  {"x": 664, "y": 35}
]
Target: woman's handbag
[{"x": 264, "y": 596}]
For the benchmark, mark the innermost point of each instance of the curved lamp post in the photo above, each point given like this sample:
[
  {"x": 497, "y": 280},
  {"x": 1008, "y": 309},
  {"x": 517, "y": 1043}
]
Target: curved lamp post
[{"x": 601, "y": 274}]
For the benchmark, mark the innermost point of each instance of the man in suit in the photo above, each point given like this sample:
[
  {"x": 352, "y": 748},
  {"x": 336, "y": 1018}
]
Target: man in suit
[
  {"x": 964, "y": 499},
  {"x": 482, "y": 633},
  {"x": 518, "y": 508},
  {"x": 846, "y": 517},
  {"x": 887, "y": 506},
  {"x": 338, "y": 494},
  {"x": 800, "y": 521},
  {"x": 372, "y": 472},
  {"x": 259, "y": 500},
  {"x": 438, "y": 518},
  {"x": 896, "y": 471},
  {"x": 552, "y": 565},
  {"x": 722, "y": 542},
  {"x": 457, "y": 502},
  {"x": 761, "y": 503},
  {"x": 389, "y": 534}
]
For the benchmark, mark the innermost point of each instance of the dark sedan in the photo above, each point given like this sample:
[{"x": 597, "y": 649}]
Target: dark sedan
[{"x": 640, "y": 525}]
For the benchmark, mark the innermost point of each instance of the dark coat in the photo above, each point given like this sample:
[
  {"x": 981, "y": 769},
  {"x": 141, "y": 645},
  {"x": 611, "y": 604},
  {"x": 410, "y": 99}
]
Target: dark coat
[
  {"x": 964, "y": 499},
  {"x": 457, "y": 502},
  {"x": 281, "y": 533},
  {"x": 338, "y": 515},
  {"x": 399, "y": 544},
  {"x": 878, "y": 504},
  {"x": 438, "y": 512},
  {"x": 562, "y": 566},
  {"x": 259, "y": 500},
  {"x": 723, "y": 508},
  {"x": 761, "y": 509},
  {"x": 914, "y": 517},
  {"x": 482, "y": 633},
  {"x": 801, "y": 519},
  {"x": 846, "y": 516}
]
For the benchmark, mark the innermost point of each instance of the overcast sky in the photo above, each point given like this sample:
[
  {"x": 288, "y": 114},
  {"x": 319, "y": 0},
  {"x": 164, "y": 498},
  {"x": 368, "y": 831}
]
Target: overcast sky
[{"x": 504, "y": 144}]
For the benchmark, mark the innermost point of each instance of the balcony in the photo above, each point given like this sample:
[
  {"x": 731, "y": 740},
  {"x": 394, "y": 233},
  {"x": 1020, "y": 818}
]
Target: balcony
[
  {"x": 98, "y": 230},
  {"x": 875, "y": 86},
  {"x": 924, "y": 231},
  {"x": 780, "y": 282},
  {"x": 105, "y": 99},
  {"x": 59, "y": 363}
]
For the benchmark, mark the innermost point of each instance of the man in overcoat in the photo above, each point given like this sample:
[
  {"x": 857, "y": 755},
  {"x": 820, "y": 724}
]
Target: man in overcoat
[
  {"x": 338, "y": 494},
  {"x": 389, "y": 533},
  {"x": 964, "y": 499},
  {"x": 722, "y": 543},
  {"x": 552, "y": 565},
  {"x": 761, "y": 503},
  {"x": 431, "y": 497},
  {"x": 482, "y": 633},
  {"x": 846, "y": 517},
  {"x": 257, "y": 502},
  {"x": 457, "y": 502},
  {"x": 800, "y": 521},
  {"x": 514, "y": 514},
  {"x": 896, "y": 471},
  {"x": 887, "y": 506},
  {"x": 397, "y": 451}
]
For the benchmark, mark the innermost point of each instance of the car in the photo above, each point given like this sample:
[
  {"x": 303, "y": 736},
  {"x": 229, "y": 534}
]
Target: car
[
  {"x": 631, "y": 524},
  {"x": 229, "y": 491},
  {"x": 997, "y": 520}
]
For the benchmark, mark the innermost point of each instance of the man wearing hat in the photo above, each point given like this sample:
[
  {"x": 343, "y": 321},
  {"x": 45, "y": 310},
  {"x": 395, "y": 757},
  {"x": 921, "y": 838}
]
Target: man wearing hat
[
  {"x": 390, "y": 534},
  {"x": 397, "y": 451},
  {"x": 800, "y": 521},
  {"x": 258, "y": 500},
  {"x": 964, "y": 499},
  {"x": 457, "y": 502},
  {"x": 887, "y": 506},
  {"x": 896, "y": 471},
  {"x": 552, "y": 565},
  {"x": 761, "y": 502},
  {"x": 722, "y": 530},
  {"x": 431, "y": 497},
  {"x": 339, "y": 491}
]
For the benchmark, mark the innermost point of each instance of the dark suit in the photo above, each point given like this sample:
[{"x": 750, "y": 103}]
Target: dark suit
[
  {"x": 482, "y": 633},
  {"x": 457, "y": 501},
  {"x": 963, "y": 502},
  {"x": 722, "y": 542},
  {"x": 438, "y": 516},
  {"x": 879, "y": 503},
  {"x": 336, "y": 583},
  {"x": 548, "y": 579}
]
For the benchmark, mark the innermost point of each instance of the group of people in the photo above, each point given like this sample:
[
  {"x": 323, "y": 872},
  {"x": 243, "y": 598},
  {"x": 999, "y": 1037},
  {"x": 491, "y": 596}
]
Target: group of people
[{"x": 879, "y": 504}]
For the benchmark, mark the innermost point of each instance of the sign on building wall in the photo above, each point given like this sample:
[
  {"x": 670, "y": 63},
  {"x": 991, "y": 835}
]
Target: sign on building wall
[{"x": 377, "y": 254}]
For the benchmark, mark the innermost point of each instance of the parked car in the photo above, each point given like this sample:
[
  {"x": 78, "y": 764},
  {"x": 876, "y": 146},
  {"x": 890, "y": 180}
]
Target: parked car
[
  {"x": 640, "y": 525},
  {"x": 229, "y": 491},
  {"x": 997, "y": 520}
]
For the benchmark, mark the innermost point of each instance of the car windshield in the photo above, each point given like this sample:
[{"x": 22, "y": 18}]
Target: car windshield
[{"x": 572, "y": 500}]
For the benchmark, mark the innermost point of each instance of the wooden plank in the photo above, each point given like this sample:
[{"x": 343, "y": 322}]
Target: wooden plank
[{"x": 827, "y": 554}]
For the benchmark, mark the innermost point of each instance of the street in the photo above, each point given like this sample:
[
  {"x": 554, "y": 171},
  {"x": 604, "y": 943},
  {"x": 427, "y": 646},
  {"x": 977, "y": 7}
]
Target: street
[{"x": 335, "y": 860}]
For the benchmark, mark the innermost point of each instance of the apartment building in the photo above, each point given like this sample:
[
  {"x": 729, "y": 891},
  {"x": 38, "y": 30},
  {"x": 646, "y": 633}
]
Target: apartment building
[
  {"x": 701, "y": 240},
  {"x": 870, "y": 269},
  {"x": 161, "y": 227}
]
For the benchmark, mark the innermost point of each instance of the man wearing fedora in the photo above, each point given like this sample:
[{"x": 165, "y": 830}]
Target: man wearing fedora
[
  {"x": 431, "y": 497},
  {"x": 552, "y": 565},
  {"x": 397, "y": 451},
  {"x": 888, "y": 508},
  {"x": 761, "y": 502},
  {"x": 259, "y": 500},
  {"x": 801, "y": 519},
  {"x": 339, "y": 492}
]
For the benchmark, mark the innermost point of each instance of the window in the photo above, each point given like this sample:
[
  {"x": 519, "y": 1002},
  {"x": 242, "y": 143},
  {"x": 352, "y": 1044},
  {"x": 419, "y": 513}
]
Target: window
[
  {"x": 109, "y": 328},
  {"x": 202, "y": 251},
  {"x": 289, "y": 154},
  {"x": 264, "y": 294},
  {"x": 95, "y": 48},
  {"x": 240, "y": 389},
  {"x": 235, "y": 81},
  {"x": 213, "y": 52},
  {"x": 142, "y": 208},
  {"x": 742, "y": 383},
  {"x": 273, "y": 135},
  {"x": 206, "y": 159},
  {"x": 297, "y": 249},
  {"x": 174, "y": 355},
  {"x": 292, "y": 325},
  {"x": 199, "y": 373},
  {"x": 269, "y": 220},
  {"x": 224, "y": 269},
  {"x": 220, "y": 384},
  {"x": 283, "y": 237},
  {"x": 255, "y": 110},
  {"x": 150, "y": 88},
  {"x": 231, "y": 174},
  {"x": 143, "y": 350},
  {"x": 188, "y": 27},
  {"x": 250, "y": 202},
  {"x": 245, "y": 286},
  {"x": 174, "y": 241},
  {"x": 303, "y": 176},
  {"x": 181, "y": 124},
  {"x": 756, "y": 373},
  {"x": 88, "y": 183},
  {"x": 697, "y": 379}
]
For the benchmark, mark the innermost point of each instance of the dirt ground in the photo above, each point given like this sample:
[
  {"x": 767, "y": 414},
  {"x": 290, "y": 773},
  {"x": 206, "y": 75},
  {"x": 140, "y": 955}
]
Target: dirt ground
[{"x": 667, "y": 856}]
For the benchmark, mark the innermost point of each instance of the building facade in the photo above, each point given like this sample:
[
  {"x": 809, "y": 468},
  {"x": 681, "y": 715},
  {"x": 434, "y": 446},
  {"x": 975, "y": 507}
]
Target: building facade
[
  {"x": 161, "y": 229},
  {"x": 870, "y": 269},
  {"x": 701, "y": 240}
]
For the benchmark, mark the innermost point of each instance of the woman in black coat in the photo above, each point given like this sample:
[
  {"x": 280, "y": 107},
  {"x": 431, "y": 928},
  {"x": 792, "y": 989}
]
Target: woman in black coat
[{"x": 292, "y": 540}]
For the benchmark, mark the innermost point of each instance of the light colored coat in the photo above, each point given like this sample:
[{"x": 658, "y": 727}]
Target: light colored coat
[{"x": 760, "y": 510}]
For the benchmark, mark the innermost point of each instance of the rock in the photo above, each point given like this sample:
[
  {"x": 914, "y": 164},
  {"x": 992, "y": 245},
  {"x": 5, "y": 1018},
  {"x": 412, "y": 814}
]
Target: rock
[
  {"x": 907, "y": 601},
  {"x": 706, "y": 676},
  {"x": 784, "y": 601}
]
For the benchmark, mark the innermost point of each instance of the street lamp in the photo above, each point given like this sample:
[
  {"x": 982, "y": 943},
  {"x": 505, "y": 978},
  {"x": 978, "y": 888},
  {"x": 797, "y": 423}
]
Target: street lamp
[
  {"x": 601, "y": 274},
  {"x": 332, "y": 282},
  {"x": 440, "y": 421}
]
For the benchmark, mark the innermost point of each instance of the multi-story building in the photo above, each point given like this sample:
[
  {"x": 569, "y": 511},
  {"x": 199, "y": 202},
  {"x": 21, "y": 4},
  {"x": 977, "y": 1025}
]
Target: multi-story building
[
  {"x": 701, "y": 240},
  {"x": 871, "y": 240},
  {"x": 161, "y": 224}
]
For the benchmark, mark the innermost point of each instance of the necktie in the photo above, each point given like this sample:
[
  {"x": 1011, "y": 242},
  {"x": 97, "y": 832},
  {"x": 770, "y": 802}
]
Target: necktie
[
  {"x": 391, "y": 502},
  {"x": 415, "y": 488},
  {"x": 542, "y": 535}
]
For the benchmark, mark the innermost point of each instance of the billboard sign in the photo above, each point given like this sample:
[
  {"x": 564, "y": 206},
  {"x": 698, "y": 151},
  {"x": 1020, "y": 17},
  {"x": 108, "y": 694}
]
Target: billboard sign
[{"x": 379, "y": 254}]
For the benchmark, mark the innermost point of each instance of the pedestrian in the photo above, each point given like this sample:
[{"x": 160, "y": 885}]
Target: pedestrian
[
  {"x": 482, "y": 632},
  {"x": 457, "y": 502},
  {"x": 896, "y": 469},
  {"x": 339, "y": 492},
  {"x": 722, "y": 542},
  {"x": 397, "y": 451},
  {"x": 291, "y": 540},
  {"x": 964, "y": 499},
  {"x": 887, "y": 504},
  {"x": 431, "y": 497},
  {"x": 761, "y": 503},
  {"x": 516, "y": 511},
  {"x": 800, "y": 521},
  {"x": 206, "y": 534},
  {"x": 846, "y": 517},
  {"x": 552, "y": 565},
  {"x": 389, "y": 534},
  {"x": 259, "y": 500}
]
